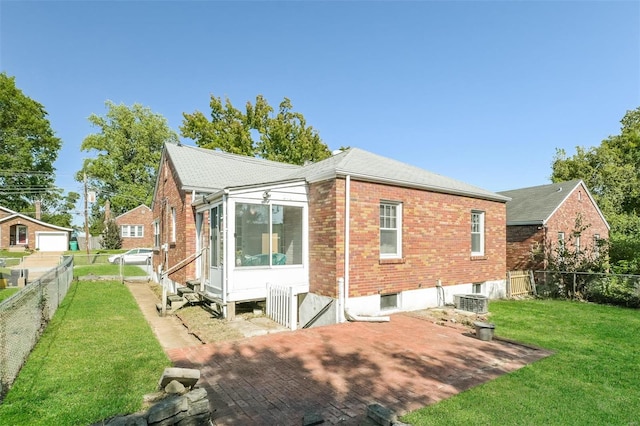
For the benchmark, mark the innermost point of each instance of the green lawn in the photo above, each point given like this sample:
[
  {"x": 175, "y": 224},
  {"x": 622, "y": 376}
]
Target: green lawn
[
  {"x": 591, "y": 380},
  {"x": 6, "y": 292},
  {"x": 108, "y": 270},
  {"x": 96, "y": 359}
]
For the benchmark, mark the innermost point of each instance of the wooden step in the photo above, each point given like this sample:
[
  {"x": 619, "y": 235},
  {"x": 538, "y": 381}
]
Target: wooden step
[{"x": 184, "y": 290}]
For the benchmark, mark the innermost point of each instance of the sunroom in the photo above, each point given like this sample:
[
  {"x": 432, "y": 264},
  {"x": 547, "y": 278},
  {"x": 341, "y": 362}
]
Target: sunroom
[{"x": 251, "y": 237}]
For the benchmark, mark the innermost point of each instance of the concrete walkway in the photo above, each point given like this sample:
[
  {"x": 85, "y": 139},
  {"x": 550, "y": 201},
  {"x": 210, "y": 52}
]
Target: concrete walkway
[
  {"x": 39, "y": 263},
  {"x": 169, "y": 330}
]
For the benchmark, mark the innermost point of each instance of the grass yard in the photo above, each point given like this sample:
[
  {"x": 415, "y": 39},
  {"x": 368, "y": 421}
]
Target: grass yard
[
  {"x": 5, "y": 293},
  {"x": 108, "y": 270},
  {"x": 591, "y": 380},
  {"x": 96, "y": 359}
]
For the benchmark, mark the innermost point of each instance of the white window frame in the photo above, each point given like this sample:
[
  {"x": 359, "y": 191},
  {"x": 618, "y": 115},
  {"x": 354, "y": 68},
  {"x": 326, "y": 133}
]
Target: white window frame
[
  {"x": 477, "y": 230},
  {"x": 132, "y": 231},
  {"x": 397, "y": 206},
  {"x": 156, "y": 233},
  {"x": 173, "y": 224}
]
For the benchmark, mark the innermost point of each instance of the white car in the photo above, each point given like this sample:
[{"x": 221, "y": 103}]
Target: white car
[{"x": 136, "y": 256}]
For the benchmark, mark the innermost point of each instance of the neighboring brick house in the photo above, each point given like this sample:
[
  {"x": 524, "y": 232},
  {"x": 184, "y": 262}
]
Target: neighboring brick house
[
  {"x": 413, "y": 239},
  {"x": 136, "y": 227},
  {"x": 19, "y": 231},
  {"x": 541, "y": 217}
]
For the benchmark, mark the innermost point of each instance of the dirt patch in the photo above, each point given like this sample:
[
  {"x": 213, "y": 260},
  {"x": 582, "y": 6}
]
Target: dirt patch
[
  {"x": 209, "y": 327},
  {"x": 206, "y": 327},
  {"x": 450, "y": 317}
]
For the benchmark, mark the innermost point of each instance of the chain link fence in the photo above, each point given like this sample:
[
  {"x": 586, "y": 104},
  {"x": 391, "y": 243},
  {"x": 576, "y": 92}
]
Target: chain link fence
[
  {"x": 24, "y": 316},
  {"x": 122, "y": 266},
  {"x": 615, "y": 289}
]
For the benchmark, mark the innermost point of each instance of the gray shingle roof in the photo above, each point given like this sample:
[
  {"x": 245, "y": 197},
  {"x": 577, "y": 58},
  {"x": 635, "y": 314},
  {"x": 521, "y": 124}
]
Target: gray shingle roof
[
  {"x": 535, "y": 205},
  {"x": 208, "y": 170},
  {"x": 364, "y": 165}
]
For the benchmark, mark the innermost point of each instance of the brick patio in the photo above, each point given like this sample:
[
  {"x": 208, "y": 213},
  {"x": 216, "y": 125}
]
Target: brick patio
[{"x": 336, "y": 371}]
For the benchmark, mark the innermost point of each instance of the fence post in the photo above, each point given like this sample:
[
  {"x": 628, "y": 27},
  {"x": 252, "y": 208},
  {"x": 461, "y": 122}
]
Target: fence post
[
  {"x": 574, "y": 284},
  {"x": 508, "y": 284},
  {"x": 293, "y": 308},
  {"x": 533, "y": 283}
]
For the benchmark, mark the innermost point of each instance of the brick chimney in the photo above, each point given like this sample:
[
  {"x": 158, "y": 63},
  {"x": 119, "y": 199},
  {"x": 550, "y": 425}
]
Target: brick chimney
[
  {"x": 107, "y": 211},
  {"x": 38, "y": 205}
]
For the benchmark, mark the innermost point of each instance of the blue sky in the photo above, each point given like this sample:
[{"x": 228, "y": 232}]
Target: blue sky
[{"x": 481, "y": 91}]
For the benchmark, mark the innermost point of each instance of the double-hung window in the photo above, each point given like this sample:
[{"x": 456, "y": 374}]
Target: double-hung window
[
  {"x": 132, "y": 231},
  {"x": 477, "y": 233},
  {"x": 173, "y": 224},
  {"x": 390, "y": 230},
  {"x": 156, "y": 233}
]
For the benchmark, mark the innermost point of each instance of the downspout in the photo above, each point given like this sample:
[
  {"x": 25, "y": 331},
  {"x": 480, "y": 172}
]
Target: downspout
[
  {"x": 347, "y": 213},
  {"x": 347, "y": 229},
  {"x": 226, "y": 246}
]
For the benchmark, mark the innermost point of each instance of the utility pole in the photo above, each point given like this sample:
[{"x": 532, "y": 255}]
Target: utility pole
[{"x": 86, "y": 215}]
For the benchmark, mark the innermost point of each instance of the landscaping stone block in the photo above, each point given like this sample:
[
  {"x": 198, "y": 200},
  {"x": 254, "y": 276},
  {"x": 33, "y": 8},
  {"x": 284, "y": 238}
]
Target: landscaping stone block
[
  {"x": 167, "y": 408},
  {"x": 187, "y": 376},
  {"x": 381, "y": 415},
  {"x": 311, "y": 419}
]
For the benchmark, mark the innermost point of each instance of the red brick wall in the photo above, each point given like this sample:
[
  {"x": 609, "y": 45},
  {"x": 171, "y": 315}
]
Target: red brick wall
[
  {"x": 324, "y": 250},
  {"x": 521, "y": 241},
  {"x": 523, "y": 238},
  {"x": 564, "y": 220},
  {"x": 141, "y": 215},
  {"x": 436, "y": 240},
  {"x": 32, "y": 228},
  {"x": 168, "y": 195}
]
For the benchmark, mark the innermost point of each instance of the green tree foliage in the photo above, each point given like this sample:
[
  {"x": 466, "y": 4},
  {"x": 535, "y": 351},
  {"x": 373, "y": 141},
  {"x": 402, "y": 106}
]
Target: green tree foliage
[
  {"x": 28, "y": 149},
  {"x": 562, "y": 260},
  {"x": 128, "y": 146},
  {"x": 111, "y": 236},
  {"x": 612, "y": 173},
  {"x": 60, "y": 211},
  {"x": 283, "y": 136}
]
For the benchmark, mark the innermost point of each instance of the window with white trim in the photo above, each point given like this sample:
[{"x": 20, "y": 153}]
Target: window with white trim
[
  {"x": 173, "y": 224},
  {"x": 390, "y": 230},
  {"x": 156, "y": 233},
  {"x": 132, "y": 231},
  {"x": 561, "y": 241},
  {"x": 477, "y": 233}
]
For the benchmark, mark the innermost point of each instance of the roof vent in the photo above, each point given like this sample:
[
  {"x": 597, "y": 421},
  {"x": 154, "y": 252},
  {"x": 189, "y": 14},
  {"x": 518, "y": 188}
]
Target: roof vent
[{"x": 559, "y": 189}]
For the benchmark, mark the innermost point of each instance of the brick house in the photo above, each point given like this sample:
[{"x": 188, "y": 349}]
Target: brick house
[
  {"x": 136, "y": 227},
  {"x": 541, "y": 217},
  {"x": 368, "y": 232},
  {"x": 19, "y": 231}
]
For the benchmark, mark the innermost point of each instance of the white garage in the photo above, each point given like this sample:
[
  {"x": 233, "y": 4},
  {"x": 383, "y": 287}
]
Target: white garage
[{"x": 52, "y": 241}]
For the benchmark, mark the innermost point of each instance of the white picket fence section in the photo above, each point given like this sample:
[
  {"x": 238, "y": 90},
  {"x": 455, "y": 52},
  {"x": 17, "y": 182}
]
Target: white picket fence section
[{"x": 282, "y": 305}]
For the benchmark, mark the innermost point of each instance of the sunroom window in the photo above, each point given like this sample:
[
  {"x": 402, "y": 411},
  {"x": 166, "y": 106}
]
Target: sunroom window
[{"x": 268, "y": 235}]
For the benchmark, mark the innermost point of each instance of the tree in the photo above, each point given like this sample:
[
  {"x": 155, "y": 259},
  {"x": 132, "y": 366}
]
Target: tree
[
  {"x": 60, "y": 211},
  {"x": 111, "y": 236},
  {"x": 128, "y": 147},
  {"x": 283, "y": 137},
  {"x": 612, "y": 173},
  {"x": 28, "y": 149}
]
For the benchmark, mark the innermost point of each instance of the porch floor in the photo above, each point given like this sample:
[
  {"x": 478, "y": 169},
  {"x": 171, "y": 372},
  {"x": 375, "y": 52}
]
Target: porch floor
[{"x": 335, "y": 371}]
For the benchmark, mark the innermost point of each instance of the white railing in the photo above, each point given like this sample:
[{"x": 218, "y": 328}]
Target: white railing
[{"x": 282, "y": 305}]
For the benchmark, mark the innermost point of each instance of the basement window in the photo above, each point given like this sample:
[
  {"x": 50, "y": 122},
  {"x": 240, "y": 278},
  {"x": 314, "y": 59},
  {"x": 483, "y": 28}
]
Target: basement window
[
  {"x": 388, "y": 301},
  {"x": 477, "y": 288}
]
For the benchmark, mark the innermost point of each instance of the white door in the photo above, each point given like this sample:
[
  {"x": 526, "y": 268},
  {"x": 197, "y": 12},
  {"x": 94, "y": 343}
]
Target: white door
[
  {"x": 216, "y": 252},
  {"x": 52, "y": 241}
]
